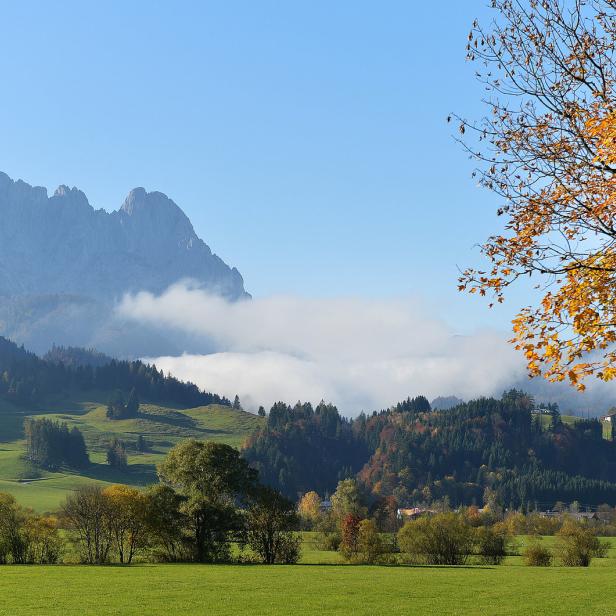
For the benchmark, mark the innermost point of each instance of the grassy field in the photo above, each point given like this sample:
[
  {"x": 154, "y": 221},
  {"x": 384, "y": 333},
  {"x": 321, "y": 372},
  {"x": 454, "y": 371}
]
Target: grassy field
[
  {"x": 546, "y": 420},
  {"x": 320, "y": 584},
  {"x": 162, "y": 427},
  {"x": 306, "y": 589}
]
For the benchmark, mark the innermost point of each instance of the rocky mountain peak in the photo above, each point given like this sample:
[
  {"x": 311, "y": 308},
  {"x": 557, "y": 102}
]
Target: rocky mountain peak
[{"x": 64, "y": 265}]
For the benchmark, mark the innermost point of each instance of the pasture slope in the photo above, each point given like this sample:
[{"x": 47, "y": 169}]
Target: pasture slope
[{"x": 162, "y": 427}]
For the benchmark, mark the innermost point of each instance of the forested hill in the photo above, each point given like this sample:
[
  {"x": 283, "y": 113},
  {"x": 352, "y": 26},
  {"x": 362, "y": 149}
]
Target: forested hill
[
  {"x": 25, "y": 378},
  {"x": 483, "y": 449}
]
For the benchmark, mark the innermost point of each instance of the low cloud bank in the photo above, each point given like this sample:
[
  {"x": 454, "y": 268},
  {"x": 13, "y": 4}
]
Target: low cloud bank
[{"x": 359, "y": 354}]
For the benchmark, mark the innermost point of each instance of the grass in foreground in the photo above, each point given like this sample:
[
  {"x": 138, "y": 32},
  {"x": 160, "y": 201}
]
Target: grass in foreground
[{"x": 309, "y": 589}]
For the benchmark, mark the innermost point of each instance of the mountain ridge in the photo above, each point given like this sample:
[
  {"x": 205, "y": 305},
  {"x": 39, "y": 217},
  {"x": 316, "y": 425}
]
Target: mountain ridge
[
  {"x": 149, "y": 235},
  {"x": 64, "y": 265}
]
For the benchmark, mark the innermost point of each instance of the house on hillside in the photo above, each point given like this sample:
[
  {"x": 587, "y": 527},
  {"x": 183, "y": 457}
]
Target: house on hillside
[
  {"x": 610, "y": 416},
  {"x": 413, "y": 513},
  {"x": 541, "y": 411}
]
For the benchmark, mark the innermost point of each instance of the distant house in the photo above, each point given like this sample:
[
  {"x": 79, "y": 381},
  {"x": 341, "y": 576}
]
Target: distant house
[
  {"x": 609, "y": 417},
  {"x": 413, "y": 513},
  {"x": 585, "y": 515},
  {"x": 540, "y": 411},
  {"x": 589, "y": 516}
]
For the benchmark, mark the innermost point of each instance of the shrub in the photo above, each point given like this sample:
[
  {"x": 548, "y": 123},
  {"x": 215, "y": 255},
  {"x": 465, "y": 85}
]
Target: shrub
[
  {"x": 370, "y": 545},
  {"x": 44, "y": 544},
  {"x": 578, "y": 545},
  {"x": 329, "y": 541},
  {"x": 537, "y": 555},
  {"x": 443, "y": 539},
  {"x": 491, "y": 544},
  {"x": 349, "y": 530},
  {"x": 289, "y": 549}
]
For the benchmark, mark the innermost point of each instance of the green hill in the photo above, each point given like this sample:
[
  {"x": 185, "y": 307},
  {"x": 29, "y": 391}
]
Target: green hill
[{"x": 161, "y": 426}]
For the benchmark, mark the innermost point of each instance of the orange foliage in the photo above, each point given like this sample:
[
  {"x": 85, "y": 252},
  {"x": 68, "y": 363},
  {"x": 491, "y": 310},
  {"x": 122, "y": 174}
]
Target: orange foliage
[{"x": 552, "y": 159}]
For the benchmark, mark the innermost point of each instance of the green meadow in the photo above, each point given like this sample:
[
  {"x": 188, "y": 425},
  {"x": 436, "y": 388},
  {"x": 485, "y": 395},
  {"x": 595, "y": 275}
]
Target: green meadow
[
  {"x": 320, "y": 584},
  {"x": 162, "y": 427},
  {"x": 306, "y": 590}
]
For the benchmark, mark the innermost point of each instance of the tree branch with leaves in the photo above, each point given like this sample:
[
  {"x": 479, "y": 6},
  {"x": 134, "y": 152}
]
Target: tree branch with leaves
[{"x": 547, "y": 148}]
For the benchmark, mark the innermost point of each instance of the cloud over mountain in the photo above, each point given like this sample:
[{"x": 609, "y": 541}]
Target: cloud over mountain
[{"x": 360, "y": 354}]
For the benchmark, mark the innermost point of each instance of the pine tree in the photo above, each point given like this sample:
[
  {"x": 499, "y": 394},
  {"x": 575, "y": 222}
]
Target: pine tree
[{"x": 132, "y": 406}]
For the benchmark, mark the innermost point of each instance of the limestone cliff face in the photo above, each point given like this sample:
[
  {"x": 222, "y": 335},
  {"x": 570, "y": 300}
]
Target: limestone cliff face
[
  {"x": 61, "y": 244},
  {"x": 63, "y": 265}
]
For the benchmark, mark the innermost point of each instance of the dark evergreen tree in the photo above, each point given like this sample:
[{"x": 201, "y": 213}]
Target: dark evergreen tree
[
  {"x": 116, "y": 454},
  {"x": 141, "y": 444},
  {"x": 132, "y": 405},
  {"x": 51, "y": 444}
]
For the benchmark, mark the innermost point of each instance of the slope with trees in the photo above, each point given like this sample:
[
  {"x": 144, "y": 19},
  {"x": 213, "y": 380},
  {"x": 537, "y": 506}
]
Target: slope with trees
[{"x": 483, "y": 450}]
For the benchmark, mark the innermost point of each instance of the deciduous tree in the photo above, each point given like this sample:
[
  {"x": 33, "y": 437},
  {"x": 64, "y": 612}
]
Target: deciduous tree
[
  {"x": 215, "y": 480},
  {"x": 271, "y": 521},
  {"x": 547, "y": 148},
  {"x": 127, "y": 520},
  {"x": 309, "y": 509},
  {"x": 86, "y": 513}
]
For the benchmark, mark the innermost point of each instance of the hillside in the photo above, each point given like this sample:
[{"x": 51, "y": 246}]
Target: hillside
[
  {"x": 161, "y": 426},
  {"x": 484, "y": 449},
  {"x": 77, "y": 393}
]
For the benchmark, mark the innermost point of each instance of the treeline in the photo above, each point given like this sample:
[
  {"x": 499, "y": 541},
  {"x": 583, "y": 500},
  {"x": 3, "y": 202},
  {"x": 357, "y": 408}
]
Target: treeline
[
  {"x": 51, "y": 444},
  {"x": 486, "y": 448},
  {"x": 365, "y": 531},
  {"x": 25, "y": 378},
  {"x": 301, "y": 448},
  {"x": 120, "y": 407},
  {"x": 209, "y": 500},
  {"x": 76, "y": 357}
]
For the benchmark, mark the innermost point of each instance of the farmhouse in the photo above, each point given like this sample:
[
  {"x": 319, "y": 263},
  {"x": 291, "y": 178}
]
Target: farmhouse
[{"x": 413, "y": 513}]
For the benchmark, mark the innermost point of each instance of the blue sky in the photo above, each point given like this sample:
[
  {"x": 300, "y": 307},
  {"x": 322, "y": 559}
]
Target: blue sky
[{"x": 306, "y": 140}]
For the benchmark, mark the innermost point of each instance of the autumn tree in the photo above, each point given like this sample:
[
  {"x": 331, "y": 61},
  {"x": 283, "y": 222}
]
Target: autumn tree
[
  {"x": 43, "y": 540},
  {"x": 547, "y": 148},
  {"x": 349, "y": 530},
  {"x": 127, "y": 520},
  {"x": 26, "y": 537},
  {"x": 370, "y": 544},
  {"x": 577, "y": 545},
  {"x": 309, "y": 510},
  {"x": 443, "y": 539},
  {"x": 347, "y": 500},
  {"x": 12, "y": 541}
]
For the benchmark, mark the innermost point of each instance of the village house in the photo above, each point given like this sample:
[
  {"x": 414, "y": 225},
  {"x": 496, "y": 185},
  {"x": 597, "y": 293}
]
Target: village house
[{"x": 413, "y": 513}]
